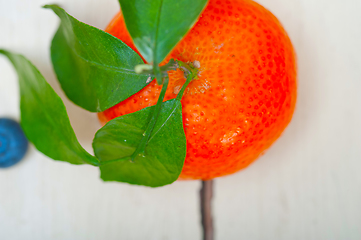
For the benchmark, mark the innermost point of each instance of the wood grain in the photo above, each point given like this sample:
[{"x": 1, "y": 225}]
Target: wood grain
[{"x": 306, "y": 186}]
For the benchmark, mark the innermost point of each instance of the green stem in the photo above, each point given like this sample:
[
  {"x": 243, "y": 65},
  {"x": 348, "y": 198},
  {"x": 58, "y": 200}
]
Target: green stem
[
  {"x": 141, "y": 147},
  {"x": 184, "y": 66},
  {"x": 190, "y": 72},
  {"x": 180, "y": 94},
  {"x": 148, "y": 69},
  {"x": 171, "y": 65}
]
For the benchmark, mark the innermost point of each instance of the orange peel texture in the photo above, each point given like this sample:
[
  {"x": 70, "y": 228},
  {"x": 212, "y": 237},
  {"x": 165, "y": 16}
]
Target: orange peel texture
[{"x": 244, "y": 96}]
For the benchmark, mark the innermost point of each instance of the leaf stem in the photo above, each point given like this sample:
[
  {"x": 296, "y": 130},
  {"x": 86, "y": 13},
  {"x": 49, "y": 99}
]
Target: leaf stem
[
  {"x": 184, "y": 66},
  {"x": 146, "y": 69},
  {"x": 180, "y": 94},
  {"x": 141, "y": 147},
  {"x": 189, "y": 71}
]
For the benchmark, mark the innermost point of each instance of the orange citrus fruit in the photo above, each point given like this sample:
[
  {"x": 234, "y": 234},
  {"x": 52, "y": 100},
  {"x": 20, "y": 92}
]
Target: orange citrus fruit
[{"x": 244, "y": 96}]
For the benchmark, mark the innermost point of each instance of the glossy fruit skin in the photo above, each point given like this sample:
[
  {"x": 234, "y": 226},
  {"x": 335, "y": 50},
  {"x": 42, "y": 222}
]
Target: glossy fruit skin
[
  {"x": 245, "y": 95},
  {"x": 13, "y": 143}
]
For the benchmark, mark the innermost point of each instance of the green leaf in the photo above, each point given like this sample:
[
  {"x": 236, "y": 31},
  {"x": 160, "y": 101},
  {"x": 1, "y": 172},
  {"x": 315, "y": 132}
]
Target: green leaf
[
  {"x": 156, "y": 26},
  {"x": 95, "y": 69},
  {"x": 163, "y": 158},
  {"x": 43, "y": 116}
]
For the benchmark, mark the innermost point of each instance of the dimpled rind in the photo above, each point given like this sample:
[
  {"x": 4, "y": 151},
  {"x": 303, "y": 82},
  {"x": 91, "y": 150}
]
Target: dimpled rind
[
  {"x": 245, "y": 94},
  {"x": 13, "y": 143}
]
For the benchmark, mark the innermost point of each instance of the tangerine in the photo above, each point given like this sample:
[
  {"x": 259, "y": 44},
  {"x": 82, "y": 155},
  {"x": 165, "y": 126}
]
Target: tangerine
[{"x": 245, "y": 93}]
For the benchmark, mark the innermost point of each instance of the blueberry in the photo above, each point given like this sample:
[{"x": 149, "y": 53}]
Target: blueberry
[{"x": 13, "y": 143}]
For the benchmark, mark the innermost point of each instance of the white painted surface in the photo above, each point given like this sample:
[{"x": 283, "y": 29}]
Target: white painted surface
[{"x": 307, "y": 186}]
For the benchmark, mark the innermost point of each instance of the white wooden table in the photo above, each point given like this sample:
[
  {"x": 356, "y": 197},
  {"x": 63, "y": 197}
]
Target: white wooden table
[{"x": 307, "y": 186}]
